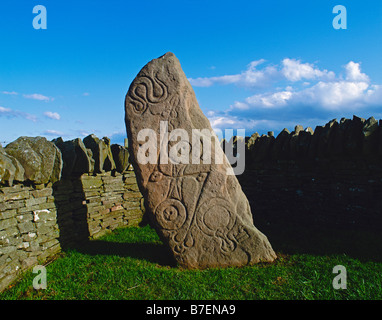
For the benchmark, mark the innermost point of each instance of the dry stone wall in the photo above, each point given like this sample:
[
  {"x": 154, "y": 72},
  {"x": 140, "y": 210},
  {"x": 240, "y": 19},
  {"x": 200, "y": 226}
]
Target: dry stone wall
[
  {"x": 329, "y": 177},
  {"x": 111, "y": 202},
  {"x": 62, "y": 200},
  {"x": 28, "y": 229}
]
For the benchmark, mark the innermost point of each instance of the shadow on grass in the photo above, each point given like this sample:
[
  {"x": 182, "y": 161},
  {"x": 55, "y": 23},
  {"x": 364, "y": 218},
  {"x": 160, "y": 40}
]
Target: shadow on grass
[
  {"x": 362, "y": 244},
  {"x": 151, "y": 252},
  {"x": 290, "y": 228},
  {"x": 74, "y": 232}
]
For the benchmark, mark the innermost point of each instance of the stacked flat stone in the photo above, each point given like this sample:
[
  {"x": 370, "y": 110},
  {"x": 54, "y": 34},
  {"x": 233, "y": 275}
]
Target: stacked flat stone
[{"x": 28, "y": 229}]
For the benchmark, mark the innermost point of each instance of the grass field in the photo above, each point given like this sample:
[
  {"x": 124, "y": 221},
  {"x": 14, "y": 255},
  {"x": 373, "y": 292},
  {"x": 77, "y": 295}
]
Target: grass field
[{"x": 131, "y": 263}]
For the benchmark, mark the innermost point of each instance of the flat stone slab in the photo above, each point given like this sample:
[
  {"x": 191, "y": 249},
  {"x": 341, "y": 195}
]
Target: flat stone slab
[{"x": 197, "y": 206}]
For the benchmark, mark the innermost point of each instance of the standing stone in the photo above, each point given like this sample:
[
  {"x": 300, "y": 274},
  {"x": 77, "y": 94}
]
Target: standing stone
[
  {"x": 77, "y": 159},
  {"x": 102, "y": 155},
  {"x": 354, "y": 136},
  {"x": 198, "y": 210},
  {"x": 370, "y": 137},
  {"x": 263, "y": 147},
  {"x": 280, "y": 148},
  {"x": 68, "y": 155},
  {"x": 303, "y": 142},
  {"x": 121, "y": 157}
]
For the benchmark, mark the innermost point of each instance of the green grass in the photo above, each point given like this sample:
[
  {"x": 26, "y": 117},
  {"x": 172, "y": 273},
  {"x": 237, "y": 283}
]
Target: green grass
[{"x": 131, "y": 263}]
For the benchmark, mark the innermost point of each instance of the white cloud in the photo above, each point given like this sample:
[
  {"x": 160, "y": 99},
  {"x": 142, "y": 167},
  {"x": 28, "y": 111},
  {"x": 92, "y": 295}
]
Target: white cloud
[
  {"x": 15, "y": 113},
  {"x": 294, "y": 70},
  {"x": 208, "y": 82},
  {"x": 333, "y": 95},
  {"x": 52, "y": 115},
  {"x": 223, "y": 122},
  {"x": 28, "y": 116},
  {"x": 353, "y": 72},
  {"x": 240, "y": 105},
  {"x": 5, "y": 110},
  {"x": 86, "y": 94},
  {"x": 37, "y": 96},
  {"x": 53, "y": 133},
  {"x": 269, "y": 100},
  {"x": 12, "y": 93},
  {"x": 290, "y": 69},
  {"x": 251, "y": 77},
  {"x": 325, "y": 93},
  {"x": 373, "y": 95},
  {"x": 296, "y": 93},
  {"x": 33, "y": 96},
  {"x": 83, "y": 133}
]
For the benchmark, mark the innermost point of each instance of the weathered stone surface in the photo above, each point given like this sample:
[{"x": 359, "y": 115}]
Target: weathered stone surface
[
  {"x": 293, "y": 141},
  {"x": 353, "y": 136},
  {"x": 252, "y": 140},
  {"x": 121, "y": 157},
  {"x": 101, "y": 153},
  {"x": 280, "y": 148},
  {"x": 249, "y": 146},
  {"x": 199, "y": 210},
  {"x": 263, "y": 147},
  {"x": 370, "y": 141},
  {"x": 304, "y": 138},
  {"x": 19, "y": 173},
  {"x": 10, "y": 168},
  {"x": 40, "y": 158},
  {"x": 314, "y": 143},
  {"x": 7, "y": 170},
  {"x": 77, "y": 159},
  {"x": 326, "y": 137}
]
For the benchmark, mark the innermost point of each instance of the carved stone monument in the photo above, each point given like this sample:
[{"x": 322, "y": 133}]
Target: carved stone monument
[{"x": 193, "y": 200}]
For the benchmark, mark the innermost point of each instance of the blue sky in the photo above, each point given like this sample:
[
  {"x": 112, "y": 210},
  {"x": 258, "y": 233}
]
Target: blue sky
[{"x": 257, "y": 65}]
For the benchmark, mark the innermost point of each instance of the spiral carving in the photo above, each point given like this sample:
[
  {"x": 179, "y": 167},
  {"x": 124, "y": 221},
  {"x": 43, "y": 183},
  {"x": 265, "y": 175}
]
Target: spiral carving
[
  {"x": 170, "y": 214},
  {"x": 147, "y": 90}
]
